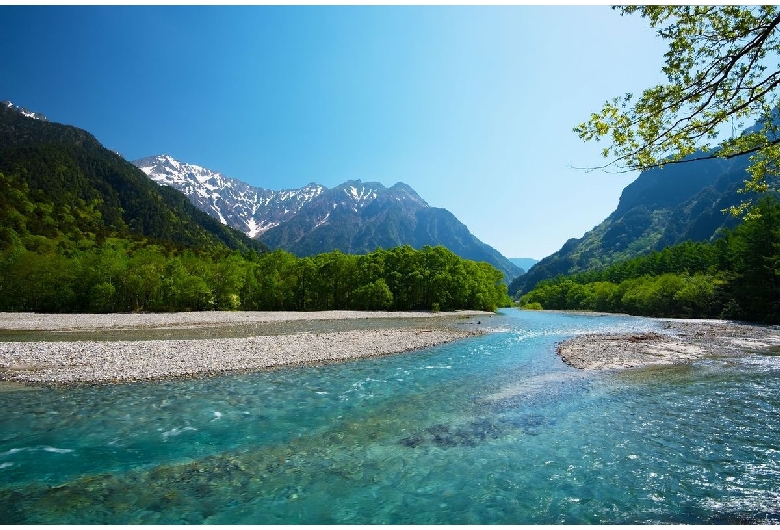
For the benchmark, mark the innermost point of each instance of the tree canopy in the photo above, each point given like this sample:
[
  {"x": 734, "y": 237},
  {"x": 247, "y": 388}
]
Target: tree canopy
[
  {"x": 60, "y": 275},
  {"x": 734, "y": 276},
  {"x": 722, "y": 69}
]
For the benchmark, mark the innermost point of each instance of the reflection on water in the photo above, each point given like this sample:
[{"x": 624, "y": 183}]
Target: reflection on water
[{"x": 493, "y": 429}]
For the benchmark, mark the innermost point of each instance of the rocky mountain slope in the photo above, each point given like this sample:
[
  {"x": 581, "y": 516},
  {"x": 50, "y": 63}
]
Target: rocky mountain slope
[
  {"x": 235, "y": 203},
  {"x": 23, "y": 111},
  {"x": 662, "y": 207},
  {"x": 354, "y": 217}
]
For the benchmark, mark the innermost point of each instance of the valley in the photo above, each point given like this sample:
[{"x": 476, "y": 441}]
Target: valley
[
  {"x": 245, "y": 275},
  {"x": 353, "y": 217}
]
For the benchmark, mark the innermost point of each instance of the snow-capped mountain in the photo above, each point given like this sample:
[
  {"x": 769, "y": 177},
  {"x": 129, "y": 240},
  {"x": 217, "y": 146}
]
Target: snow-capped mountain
[
  {"x": 235, "y": 203},
  {"x": 24, "y": 112},
  {"x": 354, "y": 217},
  {"x": 254, "y": 210}
]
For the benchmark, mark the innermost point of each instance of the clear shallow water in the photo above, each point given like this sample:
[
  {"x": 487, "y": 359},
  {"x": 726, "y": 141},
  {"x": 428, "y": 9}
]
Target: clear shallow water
[{"x": 494, "y": 429}]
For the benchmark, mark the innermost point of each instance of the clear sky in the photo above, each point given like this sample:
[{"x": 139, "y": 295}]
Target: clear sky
[{"x": 471, "y": 106}]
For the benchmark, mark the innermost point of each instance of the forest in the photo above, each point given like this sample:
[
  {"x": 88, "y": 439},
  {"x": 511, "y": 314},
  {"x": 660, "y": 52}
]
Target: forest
[
  {"x": 736, "y": 276},
  {"x": 83, "y": 230},
  {"x": 62, "y": 251},
  {"x": 121, "y": 275}
]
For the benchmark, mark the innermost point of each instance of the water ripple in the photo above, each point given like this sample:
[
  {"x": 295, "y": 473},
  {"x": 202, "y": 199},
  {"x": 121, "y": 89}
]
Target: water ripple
[{"x": 493, "y": 430}]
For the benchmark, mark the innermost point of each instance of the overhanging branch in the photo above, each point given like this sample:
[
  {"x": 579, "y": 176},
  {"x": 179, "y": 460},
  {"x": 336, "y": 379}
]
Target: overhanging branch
[{"x": 776, "y": 141}]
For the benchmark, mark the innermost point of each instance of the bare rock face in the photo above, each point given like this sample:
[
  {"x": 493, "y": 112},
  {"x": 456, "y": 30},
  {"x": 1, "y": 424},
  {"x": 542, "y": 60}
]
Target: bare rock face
[{"x": 246, "y": 208}]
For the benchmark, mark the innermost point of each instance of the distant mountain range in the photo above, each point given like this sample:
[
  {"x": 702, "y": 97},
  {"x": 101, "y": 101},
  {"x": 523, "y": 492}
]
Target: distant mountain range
[
  {"x": 354, "y": 217},
  {"x": 235, "y": 203},
  {"x": 662, "y": 207},
  {"x": 524, "y": 263}
]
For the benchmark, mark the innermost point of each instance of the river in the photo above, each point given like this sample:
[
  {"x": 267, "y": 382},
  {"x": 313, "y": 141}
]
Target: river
[{"x": 492, "y": 429}]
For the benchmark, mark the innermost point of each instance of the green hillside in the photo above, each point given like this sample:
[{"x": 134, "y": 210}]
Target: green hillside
[
  {"x": 662, "y": 207},
  {"x": 736, "y": 276},
  {"x": 59, "y": 183},
  {"x": 82, "y": 230}
]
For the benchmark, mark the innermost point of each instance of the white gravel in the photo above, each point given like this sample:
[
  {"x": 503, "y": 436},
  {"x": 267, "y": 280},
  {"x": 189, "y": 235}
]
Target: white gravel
[
  {"x": 682, "y": 341},
  {"x": 69, "y": 362},
  {"x": 113, "y": 321}
]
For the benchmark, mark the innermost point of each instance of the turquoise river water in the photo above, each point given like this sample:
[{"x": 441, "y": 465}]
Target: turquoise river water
[{"x": 492, "y": 429}]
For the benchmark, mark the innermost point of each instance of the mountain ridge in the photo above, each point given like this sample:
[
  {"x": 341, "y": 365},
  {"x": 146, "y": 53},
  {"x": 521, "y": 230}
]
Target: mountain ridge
[
  {"x": 67, "y": 174},
  {"x": 238, "y": 204},
  {"x": 661, "y": 207},
  {"x": 354, "y": 217},
  {"x": 23, "y": 111}
]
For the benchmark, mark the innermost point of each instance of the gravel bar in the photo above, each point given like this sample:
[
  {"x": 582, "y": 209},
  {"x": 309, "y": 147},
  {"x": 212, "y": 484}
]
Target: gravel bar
[
  {"x": 114, "y": 321},
  {"x": 117, "y": 361},
  {"x": 680, "y": 341}
]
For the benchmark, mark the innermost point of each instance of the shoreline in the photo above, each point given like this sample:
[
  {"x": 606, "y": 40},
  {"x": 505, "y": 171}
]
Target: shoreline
[
  {"x": 679, "y": 341},
  {"x": 122, "y": 321},
  {"x": 299, "y": 342}
]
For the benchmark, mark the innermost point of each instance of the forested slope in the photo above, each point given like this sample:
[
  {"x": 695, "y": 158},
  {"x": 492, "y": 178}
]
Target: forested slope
[
  {"x": 662, "y": 207},
  {"x": 736, "y": 276},
  {"x": 59, "y": 182},
  {"x": 81, "y": 230}
]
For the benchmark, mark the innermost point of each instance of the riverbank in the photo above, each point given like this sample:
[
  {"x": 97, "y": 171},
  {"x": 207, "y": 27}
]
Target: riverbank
[
  {"x": 264, "y": 340},
  {"x": 679, "y": 341}
]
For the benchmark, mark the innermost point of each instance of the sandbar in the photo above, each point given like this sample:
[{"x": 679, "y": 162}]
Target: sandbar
[
  {"x": 676, "y": 342},
  {"x": 111, "y": 348}
]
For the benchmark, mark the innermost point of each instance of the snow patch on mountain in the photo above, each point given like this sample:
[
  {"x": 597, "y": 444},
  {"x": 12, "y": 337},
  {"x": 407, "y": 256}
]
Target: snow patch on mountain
[
  {"x": 360, "y": 216},
  {"x": 322, "y": 221},
  {"x": 24, "y": 112},
  {"x": 249, "y": 209}
]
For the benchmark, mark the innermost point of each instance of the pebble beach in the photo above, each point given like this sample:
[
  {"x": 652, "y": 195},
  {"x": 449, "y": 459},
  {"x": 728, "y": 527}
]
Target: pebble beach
[
  {"x": 51, "y": 350},
  {"x": 680, "y": 341},
  {"x": 39, "y": 350}
]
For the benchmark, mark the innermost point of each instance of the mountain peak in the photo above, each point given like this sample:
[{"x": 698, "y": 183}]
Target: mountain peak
[
  {"x": 249, "y": 209},
  {"x": 165, "y": 169},
  {"x": 24, "y": 112},
  {"x": 360, "y": 193},
  {"x": 354, "y": 217},
  {"x": 403, "y": 191}
]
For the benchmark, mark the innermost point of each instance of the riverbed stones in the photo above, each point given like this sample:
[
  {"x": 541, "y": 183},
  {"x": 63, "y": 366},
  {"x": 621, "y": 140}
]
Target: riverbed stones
[
  {"x": 682, "y": 341},
  {"x": 68, "y": 362}
]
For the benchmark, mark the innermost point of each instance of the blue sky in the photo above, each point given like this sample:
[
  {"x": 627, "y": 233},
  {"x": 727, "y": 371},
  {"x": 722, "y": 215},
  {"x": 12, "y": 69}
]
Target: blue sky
[{"x": 471, "y": 106}]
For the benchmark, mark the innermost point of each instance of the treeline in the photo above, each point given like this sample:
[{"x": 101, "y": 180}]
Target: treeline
[
  {"x": 60, "y": 252},
  {"x": 120, "y": 275},
  {"x": 737, "y": 276},
  {"x": 82, "y": 229}
]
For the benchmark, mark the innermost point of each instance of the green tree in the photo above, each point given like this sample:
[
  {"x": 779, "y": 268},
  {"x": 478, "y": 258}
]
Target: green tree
[
  {"x": 227, "y": 279},
  {"x": 404, "y": 277},
  {"x": 697, "y": 296},
  {"x": 275, "y": 285},
  {"x": 42, "y": 282},
  {"x": 101, "y": 272},
  {"x": 373, "y": 296},
  {"x": 754, "y": 260},
  {"x": 143, "y": 279},
  {"x": 721, "y": 69}
]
